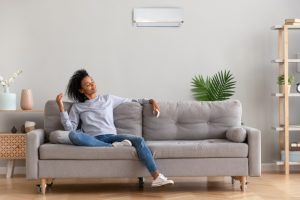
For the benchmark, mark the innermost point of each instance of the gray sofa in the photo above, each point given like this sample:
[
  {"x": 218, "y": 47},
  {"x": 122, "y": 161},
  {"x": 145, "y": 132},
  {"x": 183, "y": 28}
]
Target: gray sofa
[{"x": 189, "y": 139}]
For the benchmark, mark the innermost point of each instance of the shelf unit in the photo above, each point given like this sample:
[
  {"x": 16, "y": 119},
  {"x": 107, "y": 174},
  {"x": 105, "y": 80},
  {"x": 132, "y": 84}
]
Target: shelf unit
[
  {"x": 283, "y": 61},
  {"x": 291, "y": 128},
  {"x": 289, "y": 61},
  {"x": 282, "y": 95},
  {"x": 290, "y": 163},
  {"x": 23, "y": 111},
  {"x": 12, "y": 145}
]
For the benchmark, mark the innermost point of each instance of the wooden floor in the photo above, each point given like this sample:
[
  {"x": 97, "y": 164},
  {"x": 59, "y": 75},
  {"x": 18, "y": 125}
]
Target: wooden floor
[{"x": 269, "y": 186}]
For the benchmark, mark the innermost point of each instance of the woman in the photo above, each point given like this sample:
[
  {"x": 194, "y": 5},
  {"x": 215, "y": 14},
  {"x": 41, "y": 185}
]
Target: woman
[{"x": 97, "y": 128}]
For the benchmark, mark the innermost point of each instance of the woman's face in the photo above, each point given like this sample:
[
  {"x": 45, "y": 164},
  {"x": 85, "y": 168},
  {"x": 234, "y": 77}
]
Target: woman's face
[{"x": 88, "y": 86}]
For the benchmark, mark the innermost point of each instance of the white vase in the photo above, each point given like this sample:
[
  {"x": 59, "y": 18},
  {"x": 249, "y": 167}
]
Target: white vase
[
  {"x": 281, "y": 89},
  {"x": 26, "y": 101},
  {"x": 8, "y": 101}
]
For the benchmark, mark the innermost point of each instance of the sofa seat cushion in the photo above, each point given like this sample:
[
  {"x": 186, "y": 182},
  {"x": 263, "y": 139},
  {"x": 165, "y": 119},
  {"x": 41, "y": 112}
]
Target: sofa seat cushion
[
  {"x": 212, "y": 148},
  {"x": 71, "y": 152}
]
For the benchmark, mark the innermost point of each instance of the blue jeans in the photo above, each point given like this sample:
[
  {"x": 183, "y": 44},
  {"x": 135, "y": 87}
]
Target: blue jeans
[{"x": 83, "y": 139}]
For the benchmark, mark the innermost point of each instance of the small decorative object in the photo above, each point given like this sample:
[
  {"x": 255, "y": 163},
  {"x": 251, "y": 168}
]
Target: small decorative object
[
  {"x": 219, "y": 87},
  {"x": 295, "y": 146},
  {"x": 26, "y": 102},
  {"x": 22, "y": 129},
  {"x": 7, "y": 99},
  {"x": 29, "y": 126},
  {"x": 14, "y": 129},
  {"x": 280, "y": 82},
  {"x": 298, "y": 87},
  {"x": 292, "y": 22}
]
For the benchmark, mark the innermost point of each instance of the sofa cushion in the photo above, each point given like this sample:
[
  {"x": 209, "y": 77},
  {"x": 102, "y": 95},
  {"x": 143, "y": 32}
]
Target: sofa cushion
[
  {"x": 71, "y": 152},
  {"x": 212, "y": 148},
  {"x": 60, "y": 137},
  {"x": 191, "y": 120},
  {"x": 127, "y": 118},
  {"x": 236, "y": 134},
  {"x": 52, "y": 118}
]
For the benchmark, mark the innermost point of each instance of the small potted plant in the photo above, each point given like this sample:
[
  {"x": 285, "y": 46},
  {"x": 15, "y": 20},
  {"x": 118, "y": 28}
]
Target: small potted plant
[{"x": 280, "y": 82}]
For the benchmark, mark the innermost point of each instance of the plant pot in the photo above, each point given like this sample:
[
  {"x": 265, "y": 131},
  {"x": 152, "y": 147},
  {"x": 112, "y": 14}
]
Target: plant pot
[
  {"x": 8, "y": 101},
  {"x": 26, "y": 101},
  {"x": 281, "y": 89}
]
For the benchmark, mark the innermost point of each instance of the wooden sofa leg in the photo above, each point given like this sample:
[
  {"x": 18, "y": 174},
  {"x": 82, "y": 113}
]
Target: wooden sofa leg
[
  {"x": 50, "y": 182},
  {"x": 243, "y": 182},
  {"x": 141, "y": 182},
  {"x": 43, "y": 185}
]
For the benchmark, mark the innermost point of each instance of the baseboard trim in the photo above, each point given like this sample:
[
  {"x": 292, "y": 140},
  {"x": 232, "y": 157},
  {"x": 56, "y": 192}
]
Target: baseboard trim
[
  {"x": 18, "y": 170},
  {"x": 265, "y": 167}
]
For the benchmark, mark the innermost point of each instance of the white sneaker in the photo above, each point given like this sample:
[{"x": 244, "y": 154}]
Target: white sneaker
[
  {"x": 161, "y": 180},
  {"x": 124, "y": 143}
]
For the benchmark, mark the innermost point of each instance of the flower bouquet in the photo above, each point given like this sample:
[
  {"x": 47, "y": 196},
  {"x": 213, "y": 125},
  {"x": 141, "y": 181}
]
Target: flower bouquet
[{"x": 7, "y": 99}]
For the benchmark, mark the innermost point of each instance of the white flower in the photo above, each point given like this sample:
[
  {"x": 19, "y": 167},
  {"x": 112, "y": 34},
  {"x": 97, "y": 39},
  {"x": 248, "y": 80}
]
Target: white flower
[{"x": 8, "y": 82}]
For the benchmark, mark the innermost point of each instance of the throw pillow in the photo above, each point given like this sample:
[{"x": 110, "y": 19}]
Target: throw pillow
[
  {"x": 236, "y": 134},
  {"x": 60, "y": 137}
]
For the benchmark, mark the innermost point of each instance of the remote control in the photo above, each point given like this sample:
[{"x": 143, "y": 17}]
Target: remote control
[{"x": 156, "y": 113}]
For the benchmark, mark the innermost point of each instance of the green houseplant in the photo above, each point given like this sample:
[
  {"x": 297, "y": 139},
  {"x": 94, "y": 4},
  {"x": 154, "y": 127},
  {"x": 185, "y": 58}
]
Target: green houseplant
[
  {"x": 280, "y": 82},
  {"x": 219, "y": 87}
]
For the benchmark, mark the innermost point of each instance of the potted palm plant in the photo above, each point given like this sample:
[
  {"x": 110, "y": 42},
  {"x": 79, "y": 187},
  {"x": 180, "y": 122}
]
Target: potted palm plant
[
  {"x": 219, "y": 87},
  {"x": 280, "y": 82}
]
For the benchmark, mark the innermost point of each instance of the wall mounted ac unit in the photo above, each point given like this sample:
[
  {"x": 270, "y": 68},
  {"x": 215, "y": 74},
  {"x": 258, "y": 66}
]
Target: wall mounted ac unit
[{"x": 157, "y": 17}]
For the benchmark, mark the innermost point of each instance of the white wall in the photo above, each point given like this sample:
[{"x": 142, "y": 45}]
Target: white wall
[{"x": 50, "y": 39}]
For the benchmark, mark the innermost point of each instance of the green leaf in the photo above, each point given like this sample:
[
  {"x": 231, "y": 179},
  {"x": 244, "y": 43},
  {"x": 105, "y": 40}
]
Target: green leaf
[{"x": 217, "y": 88}]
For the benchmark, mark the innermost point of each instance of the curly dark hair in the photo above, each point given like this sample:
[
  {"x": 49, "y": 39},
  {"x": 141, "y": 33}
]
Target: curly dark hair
[{"x": 74, "y": 86}]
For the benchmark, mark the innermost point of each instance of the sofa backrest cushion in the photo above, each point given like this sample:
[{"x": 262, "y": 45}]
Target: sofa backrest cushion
[
  {"x": 127, "y": 116},
  {"x": 52, "y": 116},
  {"x": 191, "y": 120}
]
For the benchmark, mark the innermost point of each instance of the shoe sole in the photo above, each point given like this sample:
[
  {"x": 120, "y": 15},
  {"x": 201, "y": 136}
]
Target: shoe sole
[
  {"x": 124, "y": 144},
  {"x": 160, "y": 185}
]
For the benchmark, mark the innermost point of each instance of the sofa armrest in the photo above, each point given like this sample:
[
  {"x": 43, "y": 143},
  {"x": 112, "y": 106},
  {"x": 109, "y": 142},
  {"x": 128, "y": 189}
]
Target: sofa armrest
[
  {"x": 254, "y": 144},
  {"x": 34, "y": 139}
]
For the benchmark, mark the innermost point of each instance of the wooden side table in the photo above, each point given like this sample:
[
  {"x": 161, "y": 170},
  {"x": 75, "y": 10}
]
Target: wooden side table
[{"x": 12, "y": 147}]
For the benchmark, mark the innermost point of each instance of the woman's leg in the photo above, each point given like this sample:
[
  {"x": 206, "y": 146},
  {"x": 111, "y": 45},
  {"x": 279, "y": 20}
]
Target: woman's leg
[
  {"x": 83, "y": 139},
  {"x": 142, "y": 149}
]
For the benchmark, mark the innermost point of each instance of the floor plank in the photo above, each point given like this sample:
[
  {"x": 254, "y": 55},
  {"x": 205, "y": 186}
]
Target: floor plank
[{"x": 269, "y": 186}]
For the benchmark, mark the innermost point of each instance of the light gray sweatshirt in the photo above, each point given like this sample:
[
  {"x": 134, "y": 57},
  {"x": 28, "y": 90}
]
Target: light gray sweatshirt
[{"x": 96, "y": 114}]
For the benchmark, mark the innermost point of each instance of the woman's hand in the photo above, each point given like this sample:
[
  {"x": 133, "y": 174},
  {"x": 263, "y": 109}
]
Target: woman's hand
[
  {"x": 59, "y": 102},
  {"x": 155, "y": 107}
]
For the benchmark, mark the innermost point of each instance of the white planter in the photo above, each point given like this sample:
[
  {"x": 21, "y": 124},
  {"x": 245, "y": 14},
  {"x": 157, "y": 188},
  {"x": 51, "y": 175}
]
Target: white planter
[
  {"x": 8, "y": 101},
  {"x": 281, "y": 88}
]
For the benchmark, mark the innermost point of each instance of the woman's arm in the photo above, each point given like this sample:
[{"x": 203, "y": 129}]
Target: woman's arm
[
  {"x": 155, "y": 107},
  {"x": 119, "y": 100},
  {"x": 59, "y": 102},
  {"x": 69, "y": 121}
]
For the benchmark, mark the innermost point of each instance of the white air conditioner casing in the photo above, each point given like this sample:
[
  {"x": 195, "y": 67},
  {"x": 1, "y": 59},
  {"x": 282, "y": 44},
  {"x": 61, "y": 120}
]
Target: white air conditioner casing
[{"x": 157, "y": 17}]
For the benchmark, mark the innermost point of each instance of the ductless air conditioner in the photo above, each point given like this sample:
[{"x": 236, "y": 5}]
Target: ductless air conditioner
[{"x": 158, "y": 17}]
